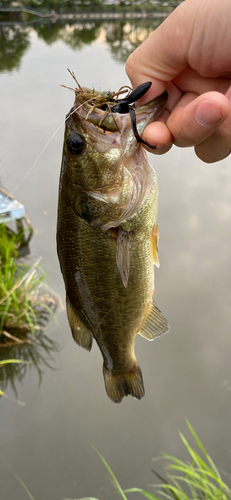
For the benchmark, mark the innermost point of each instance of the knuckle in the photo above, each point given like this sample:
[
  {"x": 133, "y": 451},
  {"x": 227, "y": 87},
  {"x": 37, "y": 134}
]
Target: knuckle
[{"x": 215, "y": 148}]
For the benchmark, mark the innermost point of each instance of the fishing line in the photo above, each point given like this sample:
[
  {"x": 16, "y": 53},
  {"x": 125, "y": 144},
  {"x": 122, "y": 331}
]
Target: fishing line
[
  {"x": 69, "y": 114},
  {"x": 40, "y": 154}
]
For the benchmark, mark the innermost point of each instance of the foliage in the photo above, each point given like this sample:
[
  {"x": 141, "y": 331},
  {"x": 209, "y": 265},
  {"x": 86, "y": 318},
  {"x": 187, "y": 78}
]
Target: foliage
[
  {"x": 122, "y": 35},
  {"x": 24, "y": 306},
  {"x": 201, "y": 478},
  {"x": 47, "y": 4},
  {"x": 13, "y": 45},
  {"x": 197, "y": 480},
  {"x": 64, "y": 6}
]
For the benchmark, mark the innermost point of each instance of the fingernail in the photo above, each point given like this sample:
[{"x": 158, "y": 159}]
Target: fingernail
[
  {"x": 208, "y": 114},
  {"x": 228, "y": 94}
]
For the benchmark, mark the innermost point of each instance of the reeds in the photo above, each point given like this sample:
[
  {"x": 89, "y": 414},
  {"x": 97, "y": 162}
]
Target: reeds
[
  {"x": 198, "y": 479},
  {"x": 24, "y": 306}
]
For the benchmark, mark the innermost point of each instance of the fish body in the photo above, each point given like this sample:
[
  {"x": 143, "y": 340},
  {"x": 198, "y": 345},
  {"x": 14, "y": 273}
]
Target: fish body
[{"x": 107, "y": 239}]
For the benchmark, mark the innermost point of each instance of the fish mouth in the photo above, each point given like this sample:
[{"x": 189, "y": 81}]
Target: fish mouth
[{"x": 107, "y": 121}]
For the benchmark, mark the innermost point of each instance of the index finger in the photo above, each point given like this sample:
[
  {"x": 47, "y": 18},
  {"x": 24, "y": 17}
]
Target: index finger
[{"x": 161, "y": 57}]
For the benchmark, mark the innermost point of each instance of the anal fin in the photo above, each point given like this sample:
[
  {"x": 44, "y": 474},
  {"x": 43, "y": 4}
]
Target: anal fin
[
  {"x": 120, "y": 384},
  {"x": 81, "y": 334},
  {"x": 155, "y": 324}
]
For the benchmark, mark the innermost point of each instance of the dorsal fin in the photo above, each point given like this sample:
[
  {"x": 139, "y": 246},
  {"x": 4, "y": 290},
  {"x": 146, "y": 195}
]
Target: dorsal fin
[{"x": 155, "y": 324}]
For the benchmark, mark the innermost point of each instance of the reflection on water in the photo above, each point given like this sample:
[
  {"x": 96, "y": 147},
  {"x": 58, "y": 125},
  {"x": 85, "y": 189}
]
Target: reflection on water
[
  {"x": 121, "y": 36},
  {"x": 124, "y": 37},
  {"x": 37, "y": 353},
  {"x": 14, "y": 42},
  {"x": 187, "y": 373},
  {"x": 77, "y": 35}
]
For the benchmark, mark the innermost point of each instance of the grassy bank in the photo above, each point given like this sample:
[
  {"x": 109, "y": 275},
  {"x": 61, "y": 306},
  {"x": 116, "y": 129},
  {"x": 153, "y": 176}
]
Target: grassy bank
[{"x": 25, "y": 305}]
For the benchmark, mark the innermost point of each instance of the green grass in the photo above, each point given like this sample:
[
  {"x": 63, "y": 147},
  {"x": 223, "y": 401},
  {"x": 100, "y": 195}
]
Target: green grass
[
  {"x": 198, "y": 479},
  {"x": 24, "y": 306}
]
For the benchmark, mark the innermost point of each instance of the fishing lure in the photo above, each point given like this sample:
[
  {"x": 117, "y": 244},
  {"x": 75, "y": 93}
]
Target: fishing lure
[
  {"x": 109, "y": 102},
  {"x": 124, "y": 106}
]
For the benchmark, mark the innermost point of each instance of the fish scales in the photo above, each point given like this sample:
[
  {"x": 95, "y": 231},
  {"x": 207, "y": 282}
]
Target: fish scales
[{"x": 107, "y": 241}]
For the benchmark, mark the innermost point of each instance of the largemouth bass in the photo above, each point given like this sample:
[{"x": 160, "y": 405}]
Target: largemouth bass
[{"x": 107, "y": 238}]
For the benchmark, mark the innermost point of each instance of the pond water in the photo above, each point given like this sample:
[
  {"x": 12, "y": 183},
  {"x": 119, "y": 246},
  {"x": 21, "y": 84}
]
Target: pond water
[{"x": 49, "y": 442}]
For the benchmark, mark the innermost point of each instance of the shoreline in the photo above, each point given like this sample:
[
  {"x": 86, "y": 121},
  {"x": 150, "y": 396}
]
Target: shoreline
[{"x": 92, "y": 16}]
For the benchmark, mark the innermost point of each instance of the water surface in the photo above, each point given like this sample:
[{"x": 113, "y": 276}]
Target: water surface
[{"x": 49, "y": 442}]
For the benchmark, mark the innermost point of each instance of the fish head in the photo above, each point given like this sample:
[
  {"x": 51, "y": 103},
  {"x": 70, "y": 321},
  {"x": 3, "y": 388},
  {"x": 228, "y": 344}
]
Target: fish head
[
  {"x": 101, "y": 156},
  {"x": 89, "y": 154}
]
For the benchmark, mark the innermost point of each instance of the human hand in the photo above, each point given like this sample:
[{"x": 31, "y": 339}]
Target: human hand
[{"x": 189, "y": 56}]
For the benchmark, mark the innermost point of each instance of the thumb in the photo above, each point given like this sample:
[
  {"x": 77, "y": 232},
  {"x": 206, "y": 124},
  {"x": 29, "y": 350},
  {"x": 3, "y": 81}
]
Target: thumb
[{"x": 162, "y": 56}]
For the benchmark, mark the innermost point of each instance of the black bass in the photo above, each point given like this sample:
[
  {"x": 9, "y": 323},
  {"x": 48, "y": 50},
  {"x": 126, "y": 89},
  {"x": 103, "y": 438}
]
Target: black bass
[{"x": 107, "y": 237}]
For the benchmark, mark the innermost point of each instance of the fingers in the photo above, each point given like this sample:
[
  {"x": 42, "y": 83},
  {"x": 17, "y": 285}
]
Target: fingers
[
  {"x": 200, "y": 121},
  {"x": 217, "y": 146},
  {"x": 195, "y": 119},
  {"x": 157, "y": 134},
  {"x": 156, "y": 59},
  {"x": 189, "y": 80},
  {"x": 186, "y": 55},
  {"x": 195, "y": 35}
]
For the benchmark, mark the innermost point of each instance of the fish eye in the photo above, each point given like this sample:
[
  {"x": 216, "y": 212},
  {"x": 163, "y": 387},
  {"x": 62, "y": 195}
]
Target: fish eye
[{"x": 75, "y": 144}]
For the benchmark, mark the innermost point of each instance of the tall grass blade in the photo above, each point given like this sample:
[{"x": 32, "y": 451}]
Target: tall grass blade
[
  {"x": 200, "y": 445},
  {"x": 202, "y": 480},
  {"x": 29, "y": 494},
  {"x": 7, "y": 361},
  {"x": 116, "y": 483},
  {"x": 24, "y": 487},
  {"x": 164, "y": 482},
  {"x": 145, "y": 493},
  {"x": 3, "y": 394}
]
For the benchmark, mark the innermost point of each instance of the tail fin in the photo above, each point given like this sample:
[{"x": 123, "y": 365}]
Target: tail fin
[{"x": 120, "y": 384}]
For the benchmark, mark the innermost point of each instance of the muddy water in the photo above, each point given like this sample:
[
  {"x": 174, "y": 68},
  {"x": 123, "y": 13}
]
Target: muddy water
[{"x": 49, "y": 442}]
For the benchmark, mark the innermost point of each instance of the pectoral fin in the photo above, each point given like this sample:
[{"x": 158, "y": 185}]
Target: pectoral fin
[
  {"x": 155, "y": 324},
  {"x": 81, "y": 334},
  {"x": 123, "y": 246},
  {"x": 155, "y": 236}
]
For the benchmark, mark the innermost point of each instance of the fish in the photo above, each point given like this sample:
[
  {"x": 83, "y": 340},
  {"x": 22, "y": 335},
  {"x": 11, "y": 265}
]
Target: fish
[{"x": 107, "y": 235}]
